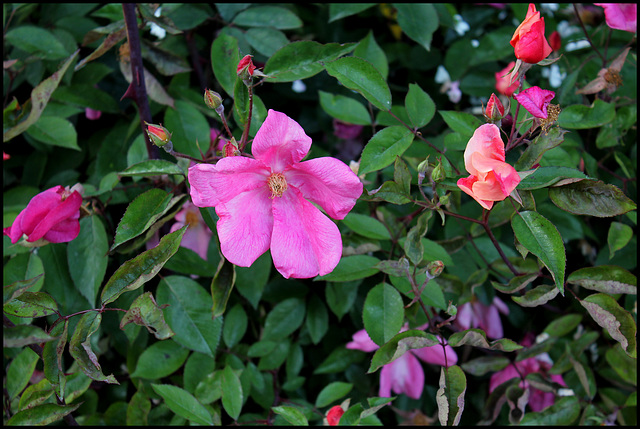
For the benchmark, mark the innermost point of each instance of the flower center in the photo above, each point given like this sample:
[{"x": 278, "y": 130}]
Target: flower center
[
  {"x": 613, "y": 77},
  {"x": 191, "y": 218},
  {"x": 553, "y": 111},
  {"x": 277, "y": 184}
]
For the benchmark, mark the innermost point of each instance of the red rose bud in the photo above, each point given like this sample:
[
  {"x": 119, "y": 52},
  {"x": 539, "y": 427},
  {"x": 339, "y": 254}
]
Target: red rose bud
[
  {"x": 528, "y": 41},
  {"x": 246, "y": 64},
  {"x": 334, "y": 414},
  {"x": 555, "y": 41},
  {"x": 495, "y": 110},
  {"x": 158, "y": 134}
]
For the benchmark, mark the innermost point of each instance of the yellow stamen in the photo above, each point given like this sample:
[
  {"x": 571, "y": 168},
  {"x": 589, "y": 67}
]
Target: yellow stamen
[{"x": 277, "y": 184}]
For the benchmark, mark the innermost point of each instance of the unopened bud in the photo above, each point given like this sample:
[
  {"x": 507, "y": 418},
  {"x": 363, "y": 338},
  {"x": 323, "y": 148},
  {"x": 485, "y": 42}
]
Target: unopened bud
[
  {"x": 334, "y": 414},
  {"x": 555, "y": 41},
  {"x": 212, "y": 99},
  {"x": 434, "y": 269},
  {"x": 158, "y": 134},
  {"x": 495, "y": 110},
  {"x": 231, "y": 148},
  {"x": 422, "y": 170},
  {"x": 438, "y": 174}
]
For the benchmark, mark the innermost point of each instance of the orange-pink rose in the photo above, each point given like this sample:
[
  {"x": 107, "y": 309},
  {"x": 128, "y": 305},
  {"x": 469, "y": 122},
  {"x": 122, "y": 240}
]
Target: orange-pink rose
[
  {"x": 528, "y": 41},
  {"x": 491, "y": 179}
]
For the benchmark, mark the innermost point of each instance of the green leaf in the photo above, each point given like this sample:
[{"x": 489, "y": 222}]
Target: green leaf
[
  {"x": 605, "y": 278},
  {"x": 268, "y": 16},
  {"x": 186, "y": 261},
  {"x": 231, "y": 393},
  {"x": 284, "y": 319},
  {"x": 266, "y": 40},
  {"x": 401, "y": 175},
  {"x": 450, "y": 395},
  {"x": 361, "y": 76},
  {"x": 418, "y": 21},
  {"x": 539, "y": 295},
  {"x": 24, "y": 335},
  {"x": 52, "y": 358},
  {"x": 225, "y": 57},
  {"x": 340, "y": 297},
  {"x": 624, "y": 365},
  {"x": 399, "y": 345},
  {"x": 366, "y": 226},
  {"x": 338, "y": 360},
  {"x": 383, "y": 148},
  {"x": 40, "y": 96},
  {"x": 80, "y": 347},
  {"x": 188, "y": 126},
  {"x": 618, "y": 322},
  {"x": 352, "y": 268},
  {"x": 485, "y": 364},
  {"x": 345, "y": 109},
  {"x": 55, "y": 131},
  {"x": 183, "y": 404},
  {"x": 390, "y": 191},
  {"x": 276, "y": 357},
  {"x": 383, "y": 313},
  {"x": 14, "y": 290},
  {"x": 342, "y": 10},
  {"x": 160, "y": 360},
  {"x": 235, "y": 325},
  {"x": 137, "y": 271},
  {"x": 251, "y": 281},
  {"x": 31, "y": 304},
  {"x": 241, "y": 102},
  {"x": 138, "y": 410},
  {"x": 152, "y": 167},
  {"x": 579, "y": 116},
  {"x": 332, "y": 392},
  {"x": 19, "y": 372},
  {"x": 144, "y": 311},
  {"x": 189, "y": 314},
  {"x": 544, "y": 177},
  {"x": 317, "y": 321},
  {"x": 292, "y": 415},
  {"x": 563, "y": 412},
  {"x": 540, "y": 237},
  {"x": 87, "y": 257},
  {"x": 563, "y": 325},
  {"x": 41, "y": 415},
  {"x": 477, "y": 338},
  {"x": 302, "y": 59},
  {"x": 591, "y": 198},
  {"x": 36, "y": 41},
  {"x": 221, "y": 287},
  {"x": 461, "y": 122},
  {"x": 368, "y": 49},
  {"x": 619, "y": 236},
  {"x": 420, "y": 107},
  {"x": 515, "y": 284}
]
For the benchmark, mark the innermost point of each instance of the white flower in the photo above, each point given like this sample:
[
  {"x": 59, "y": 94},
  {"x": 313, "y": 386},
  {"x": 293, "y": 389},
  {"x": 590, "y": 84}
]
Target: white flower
[
  {"x": 298, "y": 86},
  {"x": 461, "y": 25},
  {"x": 156, "y": 30}
]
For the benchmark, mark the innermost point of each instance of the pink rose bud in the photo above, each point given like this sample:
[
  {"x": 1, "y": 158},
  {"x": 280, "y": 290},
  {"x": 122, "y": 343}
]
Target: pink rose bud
[
  {"x": 158, "y": 134},
  {"x": 555, "y": 41},
  {"x": 528, "y": 41},
  {"x": 246, "y": 65},
  {"x": 51, "y": 215},
  {"x": 334, "y": 414},
  {"x": 495, "y": 110}
]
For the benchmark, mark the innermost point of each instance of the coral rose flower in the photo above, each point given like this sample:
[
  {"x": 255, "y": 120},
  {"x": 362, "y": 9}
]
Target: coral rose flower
[
  {"x": 266, "y": 202},
  {"x": 528, "y": 41},
  {"x": 51, "y": 215},
  {"x": 491, "y": 179}
]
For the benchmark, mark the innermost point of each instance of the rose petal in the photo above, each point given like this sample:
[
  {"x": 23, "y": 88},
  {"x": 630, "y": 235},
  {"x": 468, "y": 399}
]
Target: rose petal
[
  {"x": 65, "y": 210},
  {"x": 362, "y": 341},
  {"x": 212, "y": 185},
  {"x": 328, "y": 182},
  {"x": 486, "y": 141},
  {"x": 245, "y": 226},
  {"x": 434, "y": 355},
  {"x": 466, "y": 184},
  {"x": 280, "y": 142},
  {"x": 489, "y": 320},
  {"x": 305, "y": 243},
  {"x": 64, "y": 231},
  {"x": 403, "y": 375}
]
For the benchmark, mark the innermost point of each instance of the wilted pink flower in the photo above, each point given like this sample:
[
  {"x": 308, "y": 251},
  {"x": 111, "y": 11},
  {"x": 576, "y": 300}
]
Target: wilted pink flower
[
  {"x": 91, "y": 114},
  {"x": 538, "y": 400},
  {"x": 491, "y": 179},
  {"x": 346, "y": 131},
  {"x": 198, "y": 235},
  {"x": 503, "y": 83},
  {"x": 405, "y": 374},
  {"x": 535, "y": 100},
  {"x": 265, "y": 202},
  {"x": 621, "y": 16},
  {"x": 475, "y": 314},
  {"x": 51, "y": 215}
]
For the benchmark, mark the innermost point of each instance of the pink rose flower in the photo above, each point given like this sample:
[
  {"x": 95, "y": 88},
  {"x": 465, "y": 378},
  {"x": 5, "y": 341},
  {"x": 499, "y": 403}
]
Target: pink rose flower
[
  {"x": 405, "y": 374},
  {"x": 198, "y": 235},
  {"x": 503, "y": 85},
  {"x": 265, "y": 202},
  {"x": 52, "y": 215},
  {"x": 528, "y": 40},
  {"x": 475, "y": 314},
  {"x": 491, "y": 179},
  {"x": 621, "y": 16},
  {"x": 535, "y": 100}
]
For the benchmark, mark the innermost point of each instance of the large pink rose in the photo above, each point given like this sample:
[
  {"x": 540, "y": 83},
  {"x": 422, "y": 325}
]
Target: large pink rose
[
  {"x": 491, "y": 179},
  {"x": 528, "y": 41},
  {"x": 621, "y": 16},
  {"x": 51, "y": 215}
]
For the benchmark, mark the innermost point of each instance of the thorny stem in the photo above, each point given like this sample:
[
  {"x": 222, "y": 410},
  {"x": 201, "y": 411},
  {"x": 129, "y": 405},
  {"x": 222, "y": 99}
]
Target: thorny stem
[{"x": 604, "y": 60}]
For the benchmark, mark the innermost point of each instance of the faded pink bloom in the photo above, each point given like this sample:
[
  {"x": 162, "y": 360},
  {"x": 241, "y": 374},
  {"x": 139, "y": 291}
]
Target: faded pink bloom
[
  {"x": 491, "y": 179},
  {"x": 535, "y": 100},
  {"x": 198, "y": 235},
  {"x": 503, "y": 85},
  {"x": 91, "y": 114},
  {"x": 405, "y": 374},
  {"x": 475, "y": 314},
  {"x": 621, "y": 16},
  {"x": 51, "y": 215},
  {"x": 538, "y": 400},
  {"x": 608, "y": 79},
  {"x": 266, "y": 202}
]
